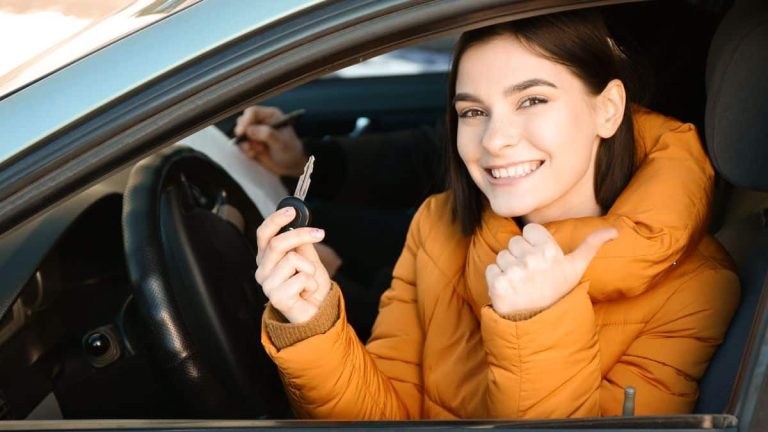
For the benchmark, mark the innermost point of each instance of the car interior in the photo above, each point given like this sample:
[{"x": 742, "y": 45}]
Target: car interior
[{"x": 115, "y": 318}]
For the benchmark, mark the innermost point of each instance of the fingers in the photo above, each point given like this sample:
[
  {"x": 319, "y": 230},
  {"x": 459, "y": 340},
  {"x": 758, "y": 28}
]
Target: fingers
[
  {"x": 272, "y": 225},
  {"x": 283, "y": 243},
  {"x": 272, "y": 247},
  {"x": 278, "y": 280},
  {"x": 519, "y": 247},
  {"x": 309, "y": 252},
  {"x": 291, "y": 264},
  {"x": 505, "y": 260},
  {"x": 497, "y": 283},
  {"x": 542, "y": 241},
  {"x": 262, "y": 134},
  {"x": 533, "y": 272},
  {"x": 289, "y": 293},
  {"x": 492, "y": 272},
  {"x": 253, "y": 149},
  {"x": 533, "y": 249},
  {"x": 587, "y": 250},
  {"x": 537, "y": 235},
  {"x": 255, "y": 115}
]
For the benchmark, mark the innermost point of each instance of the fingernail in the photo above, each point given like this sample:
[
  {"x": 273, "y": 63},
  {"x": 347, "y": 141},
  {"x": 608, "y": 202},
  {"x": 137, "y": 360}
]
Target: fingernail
[
  {"x": 287, "y": 211},
  {"x": 317, "y": 233}
]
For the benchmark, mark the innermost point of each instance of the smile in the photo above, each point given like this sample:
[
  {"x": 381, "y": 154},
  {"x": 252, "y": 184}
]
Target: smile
[{"x": 514, "y": 171}]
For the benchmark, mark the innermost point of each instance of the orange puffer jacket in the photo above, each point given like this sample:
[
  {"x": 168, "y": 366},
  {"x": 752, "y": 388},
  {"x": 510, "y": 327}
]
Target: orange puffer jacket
[{"x": 649, "y": 312}]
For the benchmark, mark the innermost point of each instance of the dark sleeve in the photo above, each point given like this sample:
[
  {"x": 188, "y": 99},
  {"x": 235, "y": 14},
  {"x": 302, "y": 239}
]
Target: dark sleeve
[{"x": 393, "y": 169}]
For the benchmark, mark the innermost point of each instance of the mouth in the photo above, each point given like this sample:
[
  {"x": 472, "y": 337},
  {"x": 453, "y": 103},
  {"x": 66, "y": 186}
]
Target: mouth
[{"x": 518, "y": 170}]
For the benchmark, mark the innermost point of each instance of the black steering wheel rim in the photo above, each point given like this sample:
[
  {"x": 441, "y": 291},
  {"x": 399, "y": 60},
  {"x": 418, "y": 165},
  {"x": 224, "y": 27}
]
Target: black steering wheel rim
[{"x": 192, "y": 274}]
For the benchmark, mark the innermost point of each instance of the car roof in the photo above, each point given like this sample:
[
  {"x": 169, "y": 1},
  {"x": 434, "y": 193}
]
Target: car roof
[{"x": 75, "y": 29}]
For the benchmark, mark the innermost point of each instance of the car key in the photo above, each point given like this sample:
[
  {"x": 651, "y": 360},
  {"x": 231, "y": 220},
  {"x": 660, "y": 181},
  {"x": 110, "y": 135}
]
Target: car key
[{"x": 303, "y": 216}]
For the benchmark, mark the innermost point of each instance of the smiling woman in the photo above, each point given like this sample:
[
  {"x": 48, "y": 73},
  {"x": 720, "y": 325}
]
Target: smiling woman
[
  {"x": 589, "y": 129},
  {"x": 473, "y": 324}
]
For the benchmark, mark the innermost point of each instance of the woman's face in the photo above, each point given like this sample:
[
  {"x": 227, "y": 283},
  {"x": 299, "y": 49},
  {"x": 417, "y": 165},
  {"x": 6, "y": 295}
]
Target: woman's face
[{"x": 527, "y": 132}]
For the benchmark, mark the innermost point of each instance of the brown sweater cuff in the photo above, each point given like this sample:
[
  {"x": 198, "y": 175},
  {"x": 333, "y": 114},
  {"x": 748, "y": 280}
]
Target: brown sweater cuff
[
  {"x": 284, "y": 334},
  {"x": 522, "y": 315}
]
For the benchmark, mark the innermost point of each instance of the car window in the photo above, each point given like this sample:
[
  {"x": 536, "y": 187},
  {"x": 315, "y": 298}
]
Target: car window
[{"x": 429, "y": 57}]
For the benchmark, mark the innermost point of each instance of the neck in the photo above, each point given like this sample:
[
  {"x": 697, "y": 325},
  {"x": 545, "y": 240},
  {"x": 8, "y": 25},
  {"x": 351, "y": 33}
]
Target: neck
[
  {"x": 578, "y": 202},
  {"x": 547, "y": 215}
]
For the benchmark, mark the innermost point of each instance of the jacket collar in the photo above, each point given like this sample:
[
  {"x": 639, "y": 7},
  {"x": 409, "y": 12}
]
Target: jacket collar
[{"x": 662, "y": 211}]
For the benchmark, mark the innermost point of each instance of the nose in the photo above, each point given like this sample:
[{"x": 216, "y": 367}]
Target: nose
[{"x": 501, "y": 132}]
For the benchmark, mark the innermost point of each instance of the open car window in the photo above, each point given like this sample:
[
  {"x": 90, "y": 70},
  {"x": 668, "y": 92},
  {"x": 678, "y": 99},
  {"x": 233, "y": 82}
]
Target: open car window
[
  {"x": 429, "y": 57},
  {"x": 74, "y": 257}
]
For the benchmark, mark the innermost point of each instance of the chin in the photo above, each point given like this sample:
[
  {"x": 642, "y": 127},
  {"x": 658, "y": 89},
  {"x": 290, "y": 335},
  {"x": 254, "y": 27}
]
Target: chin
[{"x": 509, "y": 210}]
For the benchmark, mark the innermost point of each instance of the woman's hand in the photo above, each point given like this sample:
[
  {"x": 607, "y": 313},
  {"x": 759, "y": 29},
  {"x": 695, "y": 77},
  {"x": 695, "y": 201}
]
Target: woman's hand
[
  {"x": 534, "y": 273},
  {"x": 289, "y": 269},
  {"x": 278, "y": 150}
]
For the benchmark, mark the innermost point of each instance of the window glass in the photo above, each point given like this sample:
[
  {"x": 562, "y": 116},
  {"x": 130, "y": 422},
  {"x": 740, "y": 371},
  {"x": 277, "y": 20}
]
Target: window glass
[{"x": 428, "y": 57}]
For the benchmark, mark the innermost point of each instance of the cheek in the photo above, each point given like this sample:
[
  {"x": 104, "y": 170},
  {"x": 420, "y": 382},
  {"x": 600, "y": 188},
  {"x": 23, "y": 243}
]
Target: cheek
[
  {"x": 564, "y": 136},
  {"x": 468, "y": 144}
]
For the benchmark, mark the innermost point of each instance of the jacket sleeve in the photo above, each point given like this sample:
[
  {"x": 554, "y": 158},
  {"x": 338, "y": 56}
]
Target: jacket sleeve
[
  {"x": 656, "y": 220},
  {"x": 547, "y": 366},
  {"x": 663, "y": 363},
  {"x": 672, "y": 352},
  {"x": 333, "y": 376}
]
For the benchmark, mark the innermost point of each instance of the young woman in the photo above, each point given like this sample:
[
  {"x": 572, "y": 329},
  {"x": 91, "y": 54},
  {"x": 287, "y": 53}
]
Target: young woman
[{"x": 567, "y": 261}]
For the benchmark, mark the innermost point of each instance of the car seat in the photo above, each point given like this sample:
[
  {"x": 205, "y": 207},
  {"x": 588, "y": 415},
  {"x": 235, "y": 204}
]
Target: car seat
[{"x": 736, "y": 129}]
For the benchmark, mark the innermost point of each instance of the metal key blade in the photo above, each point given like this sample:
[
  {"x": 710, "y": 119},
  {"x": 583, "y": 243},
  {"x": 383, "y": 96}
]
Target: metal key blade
[{"x": 303, "y": 185}]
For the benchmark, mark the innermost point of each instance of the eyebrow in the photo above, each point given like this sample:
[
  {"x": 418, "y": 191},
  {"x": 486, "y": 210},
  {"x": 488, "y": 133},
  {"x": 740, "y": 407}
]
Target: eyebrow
[
  {"x": 517, "y": 88},
  {"x": 525, "y": 85}
]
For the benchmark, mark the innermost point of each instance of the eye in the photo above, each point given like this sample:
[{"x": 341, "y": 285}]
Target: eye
[
  {"x": 531, "y": 101},
  {"x": 471, "y": 113}
]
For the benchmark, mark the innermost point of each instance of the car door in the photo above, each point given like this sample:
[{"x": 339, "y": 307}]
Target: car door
[{"x": 257, "y": 64}]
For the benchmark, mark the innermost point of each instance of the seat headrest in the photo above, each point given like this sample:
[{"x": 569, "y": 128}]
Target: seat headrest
[{"x": 736, "y": 123}]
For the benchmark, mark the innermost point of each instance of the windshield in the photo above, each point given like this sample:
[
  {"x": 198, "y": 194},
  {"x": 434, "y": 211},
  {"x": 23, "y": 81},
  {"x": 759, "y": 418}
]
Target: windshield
[{"x": 49, "y": 34}]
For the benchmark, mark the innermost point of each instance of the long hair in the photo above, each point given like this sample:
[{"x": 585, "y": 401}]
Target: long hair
[{"x": 581, "y": 42}]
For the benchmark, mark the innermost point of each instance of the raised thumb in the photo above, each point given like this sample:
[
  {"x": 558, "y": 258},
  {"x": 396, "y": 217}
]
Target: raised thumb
[{"x": 587, "y": 250}]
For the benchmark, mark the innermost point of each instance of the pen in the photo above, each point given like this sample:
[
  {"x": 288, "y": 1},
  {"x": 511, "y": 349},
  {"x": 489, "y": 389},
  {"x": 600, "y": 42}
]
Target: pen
[{"x": 280, "y": 122}]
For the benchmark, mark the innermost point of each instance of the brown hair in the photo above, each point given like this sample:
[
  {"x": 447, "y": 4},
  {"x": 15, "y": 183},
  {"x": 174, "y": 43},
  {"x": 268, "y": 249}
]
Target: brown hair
[{"x": 581, "y": 42}]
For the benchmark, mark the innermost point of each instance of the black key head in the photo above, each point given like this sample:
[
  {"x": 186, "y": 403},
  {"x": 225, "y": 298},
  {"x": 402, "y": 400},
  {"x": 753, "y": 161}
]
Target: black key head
[{"x": 303, "y": 217}]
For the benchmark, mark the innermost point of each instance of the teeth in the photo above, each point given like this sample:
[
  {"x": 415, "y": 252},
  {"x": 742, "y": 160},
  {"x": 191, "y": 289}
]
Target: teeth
[{"x": 519, "y": 170}]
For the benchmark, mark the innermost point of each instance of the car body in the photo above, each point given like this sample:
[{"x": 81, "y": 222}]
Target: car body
[{"x": 70, "y": 139}]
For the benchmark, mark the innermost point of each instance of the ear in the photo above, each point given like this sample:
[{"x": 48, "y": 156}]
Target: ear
[{"x": 611, "y": 103}]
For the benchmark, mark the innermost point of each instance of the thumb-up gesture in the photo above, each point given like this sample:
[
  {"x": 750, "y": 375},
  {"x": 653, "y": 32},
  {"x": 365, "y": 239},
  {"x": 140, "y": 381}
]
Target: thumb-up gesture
[{"x": 534, "y": 273}]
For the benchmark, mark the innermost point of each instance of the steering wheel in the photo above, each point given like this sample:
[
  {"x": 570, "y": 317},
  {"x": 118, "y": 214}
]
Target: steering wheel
[{"x": 191, "y": 261}]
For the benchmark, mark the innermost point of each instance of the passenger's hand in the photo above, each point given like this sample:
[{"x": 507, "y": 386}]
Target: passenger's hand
[
  {"x": 289, "y": 269},
  {"x": 534, "y": 273},
  {"x": 278, "y": 150}
]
